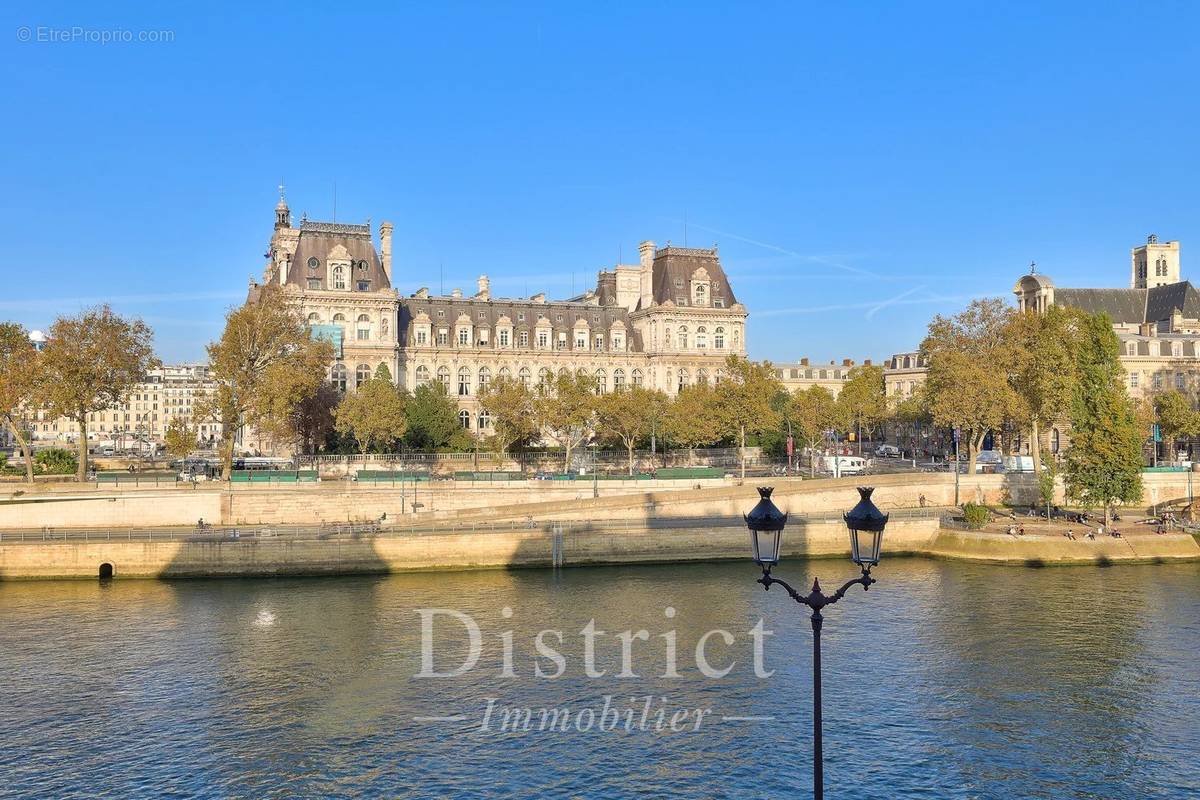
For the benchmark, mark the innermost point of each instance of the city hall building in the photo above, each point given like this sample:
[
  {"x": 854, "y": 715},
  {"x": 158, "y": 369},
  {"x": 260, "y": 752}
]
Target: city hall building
[{"x": 667, "y": 322}]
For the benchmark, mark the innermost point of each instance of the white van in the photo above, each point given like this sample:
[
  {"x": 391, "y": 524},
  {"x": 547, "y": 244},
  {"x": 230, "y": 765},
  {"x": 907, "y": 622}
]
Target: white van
[
  {"x": 887, "y": 451},
  {"x": 844, "y": 465}
]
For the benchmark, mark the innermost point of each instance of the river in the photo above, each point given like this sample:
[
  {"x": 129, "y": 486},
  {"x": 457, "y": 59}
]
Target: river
[{"x": 945, "y": 680}]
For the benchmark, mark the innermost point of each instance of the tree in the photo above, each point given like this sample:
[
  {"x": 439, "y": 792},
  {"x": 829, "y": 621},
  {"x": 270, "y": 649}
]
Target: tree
[
  {"x": 264, "y": 364},
  {"x": 813, "y": 411},
  {"x": 1104, "y": 462},
  {"x": 18, "y": 376},
  {"x": 564, "y": 410},
  {"x": 863, "y": 402},
  {"x": 911, "y": 412},
  {"x": 89, "y": 363},
  {"x": 1175, "y": 417},
  {"x": 510, "y": 405},
  {"x": 693, "y": 419},
  {"x": 970, "y": 359},
  {"x": 312, "y": 418},
  {"x": 745, "y": 397},
  {"x": 373, "y": 414},
  {"x": 1044, "y": 370},
  {"x": 180, "y": 438},
  {"x": 433, "y": 419},
  {"x": 628, "y": 415}
]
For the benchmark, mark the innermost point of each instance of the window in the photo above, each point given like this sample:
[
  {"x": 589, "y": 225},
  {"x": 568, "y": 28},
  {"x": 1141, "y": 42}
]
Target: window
[
  {"x": 422, "y": 336},
  {"x": 362, "y": 374},
  {"x": 683, "y": 338},
  {"x": 464, "y": 337},
  {"x": 505, "y": 374},
  {"x": 339, "y": 318},
  {"x": 362, "y": 266},
  {"x": 524, "y": 340},
  {"x": 464, "y": 382},
  {"x": 637, "y": 377},
  {"x": 580, "y": 341},
  {"x": 683, "y": 379},
  {"x": 524, "y": 376},
  {"x": 719, "y": 339},
  {"x": 718, "y": 302},
  {"x": 313, "y": 263},
  {"x": 364, "y": 286},
  {"x": 422, "y": 375},
  {"x": 364, "y": 327},
  {"x": 1178, "y": 380},
  {"x": 441, "y": 313},
  {"x": 314, "y": 283},
  {"x": 483, "y": 336},
  {"x": 701, "y": 338},
  {"x": 681, "y": 301},
  {"x": 618, "y": 342},
  {"x": 599, "y": 341},
  {"x": 601, "y": 382},
  {"x": 484, "y": 420},
  {"x": 544, "y": 377},
  {"x": 1130, "y": 348},
  {"x": 482, "y": 315},
  {"x": 337, "y": 376},
  {"x": 503, "y": 337},
  {"x": 1133, "y": 380},
  {"x": 521, "y": 316},
  {"x": 443, "y": 337},
  {"x": 562, "y": 340},
  {"x": 485, "y": 377},
  {"x": 543, "y": 340},
  {"x": 702, "y": 377},
  {"x": 700, "y": 293},
  {"x": 443, "y": 376},
  {"x": 618, "y": 379},
  {"x": 314, "y": 318},
  {"x": 339, "y": 277},
  {"x": 679, "y": 283},
  {"x": 464, "y": 419},
  {"x": 1157, "y": 381},
  {"x": 1176, "y": 349}
]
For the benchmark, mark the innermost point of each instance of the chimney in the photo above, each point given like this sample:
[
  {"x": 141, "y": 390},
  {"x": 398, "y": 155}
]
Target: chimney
[
  {"x": 847, "y": 362},
  {"x": 540, "y": 297},
  {"x": 485, "y": 288},
  {"x": 421, "y": 293},
  {"x": 385, "y": 248},
  {"x": 456, "y": 293},
  {"x": 866, "y": 362},
  {"x": 804, "y": 362},
  {"x": 646, "y": 252}
]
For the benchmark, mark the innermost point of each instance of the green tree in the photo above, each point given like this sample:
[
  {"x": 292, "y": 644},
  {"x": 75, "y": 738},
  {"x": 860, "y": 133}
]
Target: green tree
[
  {"x": 383, "y": 373},
  {"x": 693, "y": 418},
  {"x": 971, "y": 357},
  {"x": 18, "y": 376},
  {"x": 1176, "y": 417},
  {"x": 628, "y": 416},
  {"x": 264, "y": 364},
  {"x": 509, "y": 404},
  {"x": 373, "y": 414},
  {"x": 1044, "y": 368},
  {"x": 1104, "y": 462},
  {"x": 433, "y": 419},
  {"x": 312, "y": 417},
  {"x": 55, "y": 461},
  {"x": 862, "y": 399},
  {"x": 745, "y": 400},
  {"x": 180, "y": 438},
  {"x": 813, "y": 412},
  {"x": 89, "y": 363},
  {"x": 565, "y": 411},
  {"x": 911, "y": 412}
]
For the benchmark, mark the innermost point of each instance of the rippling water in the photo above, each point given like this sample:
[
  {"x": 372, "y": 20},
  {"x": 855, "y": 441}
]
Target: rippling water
[{"x": 944, "y": 681}]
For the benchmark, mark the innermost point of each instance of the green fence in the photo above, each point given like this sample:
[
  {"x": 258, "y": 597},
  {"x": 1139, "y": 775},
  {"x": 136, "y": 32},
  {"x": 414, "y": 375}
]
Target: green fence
[
  {"x": 688, "y": 473},
  {"x": 274, "y": 476},
  {"x": 136, "y": 478},
  {"x": 1164, "y": 469},
  {"x": 390, "y": 476},
  {"x": 489, "y": 476}
]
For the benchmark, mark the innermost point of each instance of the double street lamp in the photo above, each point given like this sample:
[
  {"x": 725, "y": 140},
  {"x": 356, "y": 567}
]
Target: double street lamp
[{"x": 865, "y": 523}]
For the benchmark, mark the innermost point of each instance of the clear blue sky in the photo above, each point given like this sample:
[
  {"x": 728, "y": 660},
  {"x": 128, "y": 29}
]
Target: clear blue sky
[{"x": 861, "y": 167}]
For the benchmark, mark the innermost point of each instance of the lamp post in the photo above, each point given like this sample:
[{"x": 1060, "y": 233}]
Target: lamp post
[{"x": 865, "y": 523}]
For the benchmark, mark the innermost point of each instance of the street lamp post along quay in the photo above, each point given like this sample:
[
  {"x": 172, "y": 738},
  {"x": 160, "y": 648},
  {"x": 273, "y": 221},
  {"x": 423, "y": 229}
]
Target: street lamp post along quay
[{"x": 865, "y": 523}]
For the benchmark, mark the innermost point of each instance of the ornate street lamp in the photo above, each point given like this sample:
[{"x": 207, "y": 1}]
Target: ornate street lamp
[{"x": 865, "y": 523}]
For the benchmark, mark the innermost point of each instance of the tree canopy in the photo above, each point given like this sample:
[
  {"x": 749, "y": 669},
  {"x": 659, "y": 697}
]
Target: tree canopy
[
  {"x": 628, "y": 416},
  {"x": 373, "y": 414},
  {"x": 18, "y": 376},
  {"x": 509, "y": 404}
]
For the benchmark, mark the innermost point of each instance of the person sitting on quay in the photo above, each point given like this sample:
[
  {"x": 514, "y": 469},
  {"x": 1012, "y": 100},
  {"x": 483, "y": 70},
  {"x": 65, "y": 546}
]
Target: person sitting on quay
[
  {"x": 1021, "y": 531},
  {"x": 1090, "y": 534},
  {"x": 1069, "y": 534},
  {"x": 1012, "y": 530}
]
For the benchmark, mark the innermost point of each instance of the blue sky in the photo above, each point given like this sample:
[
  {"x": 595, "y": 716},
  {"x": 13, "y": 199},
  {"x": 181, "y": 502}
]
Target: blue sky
[{"x": 861, "y": 166}]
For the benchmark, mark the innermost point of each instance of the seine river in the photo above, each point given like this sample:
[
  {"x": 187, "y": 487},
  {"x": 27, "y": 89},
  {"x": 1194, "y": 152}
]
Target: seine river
[{"x": 944, "y": 680}]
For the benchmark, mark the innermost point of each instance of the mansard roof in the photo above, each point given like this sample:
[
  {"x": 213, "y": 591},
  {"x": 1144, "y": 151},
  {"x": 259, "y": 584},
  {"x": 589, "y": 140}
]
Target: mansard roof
[
  {"x": 674, "y": 265},
  {"x": 319, "y": 239},
  {"x": 1135, "y": 306}
]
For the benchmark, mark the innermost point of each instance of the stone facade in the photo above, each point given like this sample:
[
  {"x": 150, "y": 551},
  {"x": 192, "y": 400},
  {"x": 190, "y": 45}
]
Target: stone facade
[
  {"x": 803, "y": 375},
  {"x": 666, "y": 322}
]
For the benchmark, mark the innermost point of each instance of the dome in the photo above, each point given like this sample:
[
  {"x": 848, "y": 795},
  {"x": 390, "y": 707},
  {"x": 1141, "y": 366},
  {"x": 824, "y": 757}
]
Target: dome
[{"x": 38, "y": 337}]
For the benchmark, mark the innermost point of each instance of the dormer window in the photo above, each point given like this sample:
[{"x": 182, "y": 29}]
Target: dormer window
[
  {"x": 314, "y": 262},
  {"x": 362, "y": 266},
  {"x": 314, "y": 283},
  {"x": 364, "y": 286},
  {"x": 700, "y": 293},
  {"x": 339, "y": 277},
  {"x": 679, "y": 283}
]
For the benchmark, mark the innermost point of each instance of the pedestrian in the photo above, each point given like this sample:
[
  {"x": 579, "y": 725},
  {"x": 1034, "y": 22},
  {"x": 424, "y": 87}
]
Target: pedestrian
[
  {"x": 921, "y": 500},
  {"x": 1021, "y": 531}
]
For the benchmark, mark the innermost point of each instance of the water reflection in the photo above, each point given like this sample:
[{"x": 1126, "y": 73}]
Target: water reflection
[{"x": 944, "y": 680}]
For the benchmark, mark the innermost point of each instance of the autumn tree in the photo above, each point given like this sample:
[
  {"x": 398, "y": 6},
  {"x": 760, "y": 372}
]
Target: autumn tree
[
  {"x": 813, "y": 412},
  {"x": 693, "y": 419},
  {"x": 862, "y": 401},
  {"x": 745, "y": 400},
  {"x": 970, "y": 358},
  {"x": 1176, "y": 417},
  {"x": 910, "y": 411},
  {"x": 312, "y": 417},
  {"x": 180, "y": 438},
  {"x": 628, "y": 416},
  {"x": 89, "y": 363},
  {"x": 1043, "y": 369},
  {"x": 18, "y": 374},
  {"x": 264, "y": 364},
  {"x": 509, "y": 404},
  {"x": 564, "y": 411},
  {"x": 1104, "y": 462},
  {"x": 373, "y": 414},
  {"x": 432, "y": 417}
]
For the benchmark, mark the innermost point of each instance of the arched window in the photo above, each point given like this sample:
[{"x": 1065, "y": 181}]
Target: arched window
[
  {"x": 504, "y": 374},
  {"x": 719, "y": 339},
  {"x": 464, "y": 419},
  {"x": 544, "y": 377},
  {"x": 339, "y": 277},
  {"x": 485, "y": 377},
  {"x": 637, "y": 377},
  {"x": 601, "y": 382},
  {"x": 701, "y": 338},
  {"x": 618, "y": 379},
  {"x": 443, "y": 376},
  {"x": 667, "y": 340},
  {"x": 683, "y": 378},
  {"x": 464, "y": 382},
  {"x": 683, "y": 338},
  {"x": 314, "y": 318},
  {"x": 422, "y": 375},
  {"x": 337, "y": 376},
  {"x": 362, "y": 374},
  {"x": 524, "y": 376},
  {"x": 701, "y": 294},
  {"x": 702, "y": 376},
  {"x": 339, "y": 318},
  {"x": 484, "y": 421},
  {"x": 364, "y": 327}
]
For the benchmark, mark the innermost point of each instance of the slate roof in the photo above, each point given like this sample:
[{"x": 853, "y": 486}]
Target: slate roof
[
  {"x": 1135, "y": 306},
  {"x": 673, "y": 269},
  {"x": 317, "y": 239}
]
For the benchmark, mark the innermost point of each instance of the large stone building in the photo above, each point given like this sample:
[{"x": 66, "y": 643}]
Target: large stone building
[
  {"x": 664, "y": 323},
  {"x": 803, "y": 375}
]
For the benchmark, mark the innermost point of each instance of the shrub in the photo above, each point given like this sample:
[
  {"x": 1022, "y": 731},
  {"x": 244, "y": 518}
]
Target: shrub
[
  {"x": 55, "y": 461},
  {"x": 975, "y": 515}
]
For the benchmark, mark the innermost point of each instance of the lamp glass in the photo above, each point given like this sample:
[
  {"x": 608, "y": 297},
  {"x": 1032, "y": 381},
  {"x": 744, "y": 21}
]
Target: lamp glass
[
  {"x": 766, "y": 546},
  {"x": 865, "y": 547}
]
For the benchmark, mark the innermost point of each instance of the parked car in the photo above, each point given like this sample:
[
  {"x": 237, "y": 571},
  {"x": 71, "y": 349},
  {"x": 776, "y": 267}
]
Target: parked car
[
  {"x": 887, "y": 451},
  {"x": 844, "y": 465}
]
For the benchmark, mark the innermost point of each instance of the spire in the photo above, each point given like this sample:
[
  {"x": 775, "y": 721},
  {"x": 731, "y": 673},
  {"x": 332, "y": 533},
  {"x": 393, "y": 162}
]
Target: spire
[{"x": 283, "y": 215}]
